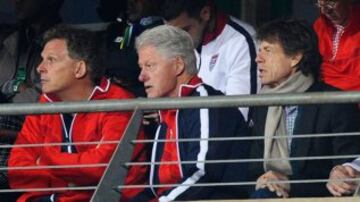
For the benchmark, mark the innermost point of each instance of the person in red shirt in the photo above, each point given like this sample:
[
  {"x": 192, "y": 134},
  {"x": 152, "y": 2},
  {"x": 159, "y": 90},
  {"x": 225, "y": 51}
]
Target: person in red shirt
[
  {"x": 70, "y": 71},
  {"x": 338, "y": 29}
]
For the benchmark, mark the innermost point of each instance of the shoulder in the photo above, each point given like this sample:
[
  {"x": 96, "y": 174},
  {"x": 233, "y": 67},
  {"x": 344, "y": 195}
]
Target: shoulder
[
  {"x": 117, "y": 92},
  {"x": 205, "y": 90},
  {"x": 241, "y": 26},
  {"x": 322, "y": 87}
]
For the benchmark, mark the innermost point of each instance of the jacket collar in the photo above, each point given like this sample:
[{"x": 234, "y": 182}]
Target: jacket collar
[
  {"x": 187, "y": 89},
  {"x": 221, "y": 20},
  {"x": 103, "y": 87}
]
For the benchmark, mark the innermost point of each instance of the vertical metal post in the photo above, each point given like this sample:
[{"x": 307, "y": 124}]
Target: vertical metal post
[{"x": 116, "y": 171}]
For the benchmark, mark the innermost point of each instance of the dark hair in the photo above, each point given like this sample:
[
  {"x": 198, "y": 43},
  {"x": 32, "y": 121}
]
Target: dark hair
[
  {"x": 294, "y": 36},
  {"x": 173, "y": 8},
  {"x": 82, "y": 44}
]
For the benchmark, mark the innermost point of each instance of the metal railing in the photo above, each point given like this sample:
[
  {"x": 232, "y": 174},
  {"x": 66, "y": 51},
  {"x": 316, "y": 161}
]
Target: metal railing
[{"x": 114, "y": 175}]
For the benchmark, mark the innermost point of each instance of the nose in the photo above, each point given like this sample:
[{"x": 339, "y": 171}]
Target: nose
[
  {"x": 259, "y": 58},
  {"x": 143, "y": 76},
  {"x": 41, "y": 68}
]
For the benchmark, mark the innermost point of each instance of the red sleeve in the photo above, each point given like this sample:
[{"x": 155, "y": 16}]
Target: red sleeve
[
  {"x": 112, "y": 128},
  {"x": 27, "y": 156}
]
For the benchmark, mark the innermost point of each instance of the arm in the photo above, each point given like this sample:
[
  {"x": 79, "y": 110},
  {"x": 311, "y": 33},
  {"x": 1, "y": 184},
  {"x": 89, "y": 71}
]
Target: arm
[
  {"x": 28, "y": 156},
  {"x": 240, "y": 64},
  {"x": 112, "y": 128}
]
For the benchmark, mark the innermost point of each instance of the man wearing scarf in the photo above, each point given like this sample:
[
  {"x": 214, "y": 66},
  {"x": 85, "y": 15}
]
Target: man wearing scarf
[{"x": 288, "y": 60}]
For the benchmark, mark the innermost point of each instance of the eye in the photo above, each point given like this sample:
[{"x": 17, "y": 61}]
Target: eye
[{"x": 51, "y": 59}]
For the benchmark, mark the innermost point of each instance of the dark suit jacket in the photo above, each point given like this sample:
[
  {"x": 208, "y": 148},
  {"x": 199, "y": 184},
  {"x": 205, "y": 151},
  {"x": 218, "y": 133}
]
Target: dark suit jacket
[{"x": 312, "y": 119}]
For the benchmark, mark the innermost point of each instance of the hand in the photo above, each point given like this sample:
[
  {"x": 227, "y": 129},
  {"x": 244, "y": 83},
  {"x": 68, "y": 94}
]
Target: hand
[
  {"x": 338, "y": 185},
  {"x": 266, "y": 181}
]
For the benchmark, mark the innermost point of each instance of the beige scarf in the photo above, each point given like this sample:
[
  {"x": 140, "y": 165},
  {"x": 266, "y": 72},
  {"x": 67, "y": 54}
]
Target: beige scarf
[{"x": 275, "y": 123}]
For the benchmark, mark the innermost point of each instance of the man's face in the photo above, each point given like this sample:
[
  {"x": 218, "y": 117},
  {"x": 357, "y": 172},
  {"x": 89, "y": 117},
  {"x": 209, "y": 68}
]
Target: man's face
[
  {"x": 57, "y": 69},
  {"x": 195, "y": 27},
  {"x": 334, "y": 10},
  {"x": 157, "y": 73},
  {"x": 273, "y": 65}
]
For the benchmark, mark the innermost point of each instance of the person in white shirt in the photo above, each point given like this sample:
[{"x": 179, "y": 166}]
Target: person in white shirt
[{"x": 225, "y": 45}]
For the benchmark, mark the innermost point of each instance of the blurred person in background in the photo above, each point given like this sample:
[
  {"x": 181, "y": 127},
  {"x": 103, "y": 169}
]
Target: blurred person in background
[
  {"x": 338, "y": 29},
  {"x": 19, "y": 56}
]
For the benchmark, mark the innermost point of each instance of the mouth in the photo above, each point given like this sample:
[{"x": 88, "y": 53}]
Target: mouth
[
  {"x": 43, "y": 81},
  {"x": 147, "y": 87}
]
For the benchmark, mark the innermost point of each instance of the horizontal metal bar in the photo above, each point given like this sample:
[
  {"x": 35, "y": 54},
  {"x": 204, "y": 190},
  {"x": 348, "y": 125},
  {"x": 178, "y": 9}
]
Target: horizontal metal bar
[
  {"x": 127, "y": 163},
  {"x": 238, "y": 183},
  {"x": 250, "y": 137},
  {"x": 53, "y": 167},
  {"x": 49, "y": 189},
  {"x": 167, "y": 185},
  {"x": 184, "y": 102},
  {"x": 353, "y": 156},
  {"x": 299, "y": 136}
]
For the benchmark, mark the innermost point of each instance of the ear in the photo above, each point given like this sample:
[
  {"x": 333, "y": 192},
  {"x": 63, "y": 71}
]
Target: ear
[
  {"x": 179, "y": 65},
  {"x": 205, "y": 14},
  {"x": 80, "y": 69},
  {"x": 295, "y": 59}
]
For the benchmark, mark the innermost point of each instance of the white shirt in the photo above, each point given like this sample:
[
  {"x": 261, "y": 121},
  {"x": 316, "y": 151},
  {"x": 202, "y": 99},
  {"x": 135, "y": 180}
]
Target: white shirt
[
  {"x": 355, "y": 164},
  {"x": 226, "y": 62}
]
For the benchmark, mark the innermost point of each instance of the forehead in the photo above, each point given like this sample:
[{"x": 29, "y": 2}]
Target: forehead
[
  {"x": 55, "y": 46},
  {"x": 149, "y": 52},
  {"x": 266, "y": 43}
]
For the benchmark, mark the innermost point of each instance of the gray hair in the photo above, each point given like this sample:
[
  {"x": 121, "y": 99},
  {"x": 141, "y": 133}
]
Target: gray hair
[{"x": 171, "y": 42}]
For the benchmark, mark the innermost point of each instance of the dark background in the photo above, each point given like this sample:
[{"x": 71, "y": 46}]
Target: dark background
[{"x": 254, "y": 12}]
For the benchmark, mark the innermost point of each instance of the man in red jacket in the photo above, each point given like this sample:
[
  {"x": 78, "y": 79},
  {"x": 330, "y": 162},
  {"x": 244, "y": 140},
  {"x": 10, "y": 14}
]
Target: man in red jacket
[
  {"x": 69, "y": 71},
  {"x": 338, "y": 28}
]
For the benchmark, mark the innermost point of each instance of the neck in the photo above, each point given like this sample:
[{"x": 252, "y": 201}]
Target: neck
[
  {"x": 77, "y": 93},
  {"x": 182, "y": 80},
  {"x": 344, "y": 13},
  {"x": 212, "y": 23}
]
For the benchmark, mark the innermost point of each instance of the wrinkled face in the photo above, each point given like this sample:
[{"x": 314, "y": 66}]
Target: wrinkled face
[
  {"x": 57, "y": 69},
  {"x": 334, "y": 10},
  {"x": 158, "y": 73},
  {"x": 274, "y": 66},
  {"x": 195, "y": 27}
]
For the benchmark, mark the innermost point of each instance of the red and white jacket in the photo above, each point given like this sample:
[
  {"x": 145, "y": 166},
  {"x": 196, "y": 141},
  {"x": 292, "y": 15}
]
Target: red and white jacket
[{"x": 84, "y": 127}]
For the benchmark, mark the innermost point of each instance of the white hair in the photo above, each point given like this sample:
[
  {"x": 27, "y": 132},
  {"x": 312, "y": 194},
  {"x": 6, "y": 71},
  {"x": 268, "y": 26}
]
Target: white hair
[{"x": 171, "y": 42}]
